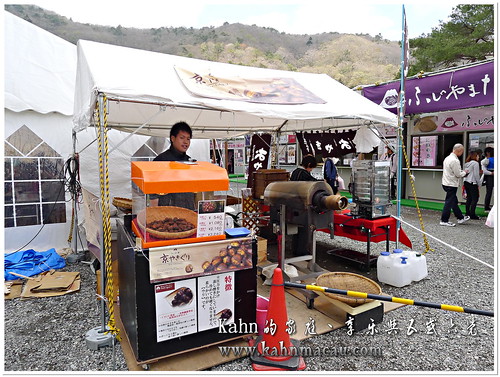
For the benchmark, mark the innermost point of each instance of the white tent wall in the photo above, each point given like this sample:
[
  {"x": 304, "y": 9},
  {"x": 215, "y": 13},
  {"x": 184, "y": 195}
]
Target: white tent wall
[
  {"x": 55, "y": 130},
  {"x": 40, "y": 71}
]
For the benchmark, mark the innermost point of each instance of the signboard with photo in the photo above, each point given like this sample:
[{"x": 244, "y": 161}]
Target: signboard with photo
[
  {"x": 175, "y": 309},
  {"x": 197, "y": 259}
]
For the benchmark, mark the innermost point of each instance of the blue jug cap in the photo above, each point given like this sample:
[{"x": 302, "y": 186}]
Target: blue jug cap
[
  {"x": 397, "y": 251},
  {"x": 385, "y": 253}
]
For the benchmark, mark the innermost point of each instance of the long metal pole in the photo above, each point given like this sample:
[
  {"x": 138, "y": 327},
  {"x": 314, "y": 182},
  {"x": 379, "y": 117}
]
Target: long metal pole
[
  {"x": 400, "y": 125},
  {"x": 397, "y": 300},
  {"x": 101, "y": 241}
]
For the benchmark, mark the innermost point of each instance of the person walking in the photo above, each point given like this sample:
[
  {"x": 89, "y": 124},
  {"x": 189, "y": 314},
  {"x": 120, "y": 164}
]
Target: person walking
[
  {"x": 389, "y": 155},
  {"x": 330, "y": 173},
  {"x": 472, "y": 182},
  {"x": 452, "y": 173},
  {"x": 488, "y": 166}
]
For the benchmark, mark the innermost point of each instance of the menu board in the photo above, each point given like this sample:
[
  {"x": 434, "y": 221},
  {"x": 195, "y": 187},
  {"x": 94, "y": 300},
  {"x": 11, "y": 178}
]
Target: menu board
[
  {"x": 291, "y": 153},
  {"x": 215, "y": 300},
  {"x": 210, "y": 218},
  {"x": 175, "y": 309},
  {"x": 428, "y": 150},
  {"x": 196, "y": 259},
  {"x": 424, "y": 151},
  {"x": 415, "y": 153},
  {"x": 282, "y": 150}
]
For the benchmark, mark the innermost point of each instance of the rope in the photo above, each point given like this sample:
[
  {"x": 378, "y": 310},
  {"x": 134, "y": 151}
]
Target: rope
[
  {"x": 102, "y": 140},
  {"x": 414, "y": 192},
  {"x": 444, "y": 243}
]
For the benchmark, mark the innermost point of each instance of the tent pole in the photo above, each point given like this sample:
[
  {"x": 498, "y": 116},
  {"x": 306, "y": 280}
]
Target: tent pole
[
  {"x": 401, "y": 114},
  {"x": 101, "y": 241},
  {"x": 99, "y": 337}
]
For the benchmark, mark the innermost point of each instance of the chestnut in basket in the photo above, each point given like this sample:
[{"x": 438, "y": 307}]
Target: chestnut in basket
[{"x": 170, "y": 225}]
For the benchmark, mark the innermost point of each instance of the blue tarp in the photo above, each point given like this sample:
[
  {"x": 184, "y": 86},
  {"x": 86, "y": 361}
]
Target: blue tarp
[{"x": 31, "y": 262}]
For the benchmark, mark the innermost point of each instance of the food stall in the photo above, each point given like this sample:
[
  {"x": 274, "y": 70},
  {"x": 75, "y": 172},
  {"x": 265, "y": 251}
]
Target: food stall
[
  {"x": 145, "y": 93},
  {"x": 182, "y": 282}
]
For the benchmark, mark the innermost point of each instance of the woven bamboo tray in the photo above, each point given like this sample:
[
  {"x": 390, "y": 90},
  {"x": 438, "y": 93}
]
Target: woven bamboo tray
[
  {"x": 124, "y": 204},
  {"x": 349, "y": 282},
  {"x": 161, "y": 213}
]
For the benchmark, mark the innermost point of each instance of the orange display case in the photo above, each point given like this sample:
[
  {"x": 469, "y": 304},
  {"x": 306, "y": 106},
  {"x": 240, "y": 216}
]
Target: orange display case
[
  {"x": 201, "y": 182},
  {"x": 154, "y": 177}
]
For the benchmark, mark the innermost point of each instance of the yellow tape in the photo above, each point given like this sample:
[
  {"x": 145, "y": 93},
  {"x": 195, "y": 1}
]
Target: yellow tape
[
  {"x": 402, "y": 301},
  {"x": 357, "y": 294},
  {"x": 315, "y": 288},
  {"x": 453, "y": 308}
]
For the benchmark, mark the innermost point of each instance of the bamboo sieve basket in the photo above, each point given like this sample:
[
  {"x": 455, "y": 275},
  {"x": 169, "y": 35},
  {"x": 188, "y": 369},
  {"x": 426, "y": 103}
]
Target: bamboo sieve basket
[
  {"x": 161, "y": 213},
  {"x": 349, "y": 282}
]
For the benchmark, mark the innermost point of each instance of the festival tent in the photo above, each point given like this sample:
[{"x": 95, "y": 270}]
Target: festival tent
[
  {"x": 40, "y": 71},
  {"x": 148, "y": 91},
  {"x": 39, "y": 90}
]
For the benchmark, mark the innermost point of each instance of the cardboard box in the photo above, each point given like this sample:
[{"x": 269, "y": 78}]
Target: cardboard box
[
  {"x": 261, "y": 249},
  {"x": 51, "y": 283},
  {"x": 262, "y": 177}
]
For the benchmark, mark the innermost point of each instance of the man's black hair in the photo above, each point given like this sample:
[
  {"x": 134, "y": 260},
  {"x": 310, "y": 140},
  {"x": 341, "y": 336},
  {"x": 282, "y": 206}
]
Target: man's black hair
[
  {"x": 180, "y": 126},
  {"x": 488, "y": 150},
  {"x": 309, "y": 162}
]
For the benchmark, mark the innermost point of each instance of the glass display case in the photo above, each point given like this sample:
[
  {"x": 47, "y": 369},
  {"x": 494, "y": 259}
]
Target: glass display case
[
  {"x": 371, "y": 192},
  {"x": 176, "y": 202}
]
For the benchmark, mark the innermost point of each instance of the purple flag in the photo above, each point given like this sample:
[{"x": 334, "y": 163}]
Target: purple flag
[{"x": 458, "y": 89}]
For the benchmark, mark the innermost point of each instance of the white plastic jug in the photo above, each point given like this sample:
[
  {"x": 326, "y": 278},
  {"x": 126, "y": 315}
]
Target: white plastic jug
[
  {"x": 384, "y": 266},
  {"x": 396, "y": 254},
  {"x": 401, "y": 273},
  {"x": 418, "y": 264}
]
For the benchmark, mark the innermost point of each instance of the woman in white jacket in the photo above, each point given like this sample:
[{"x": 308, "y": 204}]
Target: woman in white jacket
[{"x": 472, "y": 182}]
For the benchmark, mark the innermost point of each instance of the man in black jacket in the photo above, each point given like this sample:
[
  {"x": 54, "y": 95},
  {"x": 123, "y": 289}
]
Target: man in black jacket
[
  {"x": 180, "y": 139},
  {"x": 303, "y": 172}
]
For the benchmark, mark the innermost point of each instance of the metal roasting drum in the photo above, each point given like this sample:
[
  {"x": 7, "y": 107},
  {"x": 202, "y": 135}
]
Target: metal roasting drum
[{"x": 302, "y": 195}]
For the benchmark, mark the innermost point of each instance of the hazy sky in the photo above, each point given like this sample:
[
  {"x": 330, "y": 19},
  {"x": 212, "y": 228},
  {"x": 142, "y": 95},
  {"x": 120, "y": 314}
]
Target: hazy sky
[{"x": 294, "y": 17}]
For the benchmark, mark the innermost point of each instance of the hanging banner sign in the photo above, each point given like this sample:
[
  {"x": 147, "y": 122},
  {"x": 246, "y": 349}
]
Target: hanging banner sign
[
  {"x": 466, "y": 120},
  {"x": 328, "y": 144},
  {"x": 259, "y": 155},
  {"x": 459, "y": 89},
  {"x": 278, "y": 90}
]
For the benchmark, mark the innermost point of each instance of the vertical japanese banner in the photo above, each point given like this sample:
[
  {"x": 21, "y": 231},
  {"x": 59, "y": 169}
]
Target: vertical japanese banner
[{"x": 259, "y": 155}]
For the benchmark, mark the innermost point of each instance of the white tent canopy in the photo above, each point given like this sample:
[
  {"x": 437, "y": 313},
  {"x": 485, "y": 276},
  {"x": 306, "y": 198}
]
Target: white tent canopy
[
  {"x": 39, "y": 69},
  {"x": 146, "y": 96}
]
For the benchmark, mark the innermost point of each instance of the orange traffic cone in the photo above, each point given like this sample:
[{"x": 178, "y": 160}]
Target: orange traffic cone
[{"x": 274, "y": 349}]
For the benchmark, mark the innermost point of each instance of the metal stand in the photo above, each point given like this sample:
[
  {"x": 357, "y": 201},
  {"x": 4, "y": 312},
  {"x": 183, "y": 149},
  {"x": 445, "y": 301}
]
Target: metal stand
[{"x": 311, "y": 270}]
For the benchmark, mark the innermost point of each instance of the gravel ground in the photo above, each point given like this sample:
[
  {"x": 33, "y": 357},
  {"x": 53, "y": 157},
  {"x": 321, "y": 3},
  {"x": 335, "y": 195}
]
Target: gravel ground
[{"x": 49, "y": 334}]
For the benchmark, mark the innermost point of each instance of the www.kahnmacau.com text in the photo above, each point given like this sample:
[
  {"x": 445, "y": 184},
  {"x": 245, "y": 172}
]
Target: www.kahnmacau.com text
[{"x": 304, "y": 351}]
